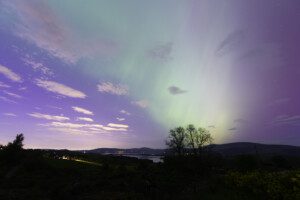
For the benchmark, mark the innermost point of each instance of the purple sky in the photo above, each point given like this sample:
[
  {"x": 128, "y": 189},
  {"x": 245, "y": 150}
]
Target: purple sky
[{"x": 81, "y": 75}]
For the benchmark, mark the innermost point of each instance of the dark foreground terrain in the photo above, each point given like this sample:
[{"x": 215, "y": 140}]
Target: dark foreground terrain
[
  {"x": 54, "y": 174},
  {"x": 46, "y": 175}
]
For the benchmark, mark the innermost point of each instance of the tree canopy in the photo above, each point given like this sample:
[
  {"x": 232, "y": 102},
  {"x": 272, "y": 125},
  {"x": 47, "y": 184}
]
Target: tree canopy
[{"x": 189, "y": 138}]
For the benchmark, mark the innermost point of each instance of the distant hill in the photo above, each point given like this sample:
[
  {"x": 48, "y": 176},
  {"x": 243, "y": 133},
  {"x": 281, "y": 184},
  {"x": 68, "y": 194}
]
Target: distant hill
[
  {"x": 230, "y": 149},
  {"x": 133, "y": 151}
]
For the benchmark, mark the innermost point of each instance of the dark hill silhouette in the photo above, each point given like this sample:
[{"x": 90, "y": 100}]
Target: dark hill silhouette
[
  {"x": 137, "y": 151},
  {"x": 230, "y": 149}
]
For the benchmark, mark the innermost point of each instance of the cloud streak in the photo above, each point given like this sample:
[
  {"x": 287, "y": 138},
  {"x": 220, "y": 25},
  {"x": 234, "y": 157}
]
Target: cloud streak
[
  {"x": 83, "y": 129},
  {"x": 3, "y": 85},
  {"x": 286, "y": 120},
  {"x": 115, "y": 89},
  {"x": 82, "y": 110},
  {"x": 10, "y": 74},
  {"x": 37, "y": 66},
  {"x": 39, "y": 24},
  {"x": 87, "y": 119},
  {"x": 7, "y": 99},
  {"x": 230, "y": 42},
  {"x": 10, "y": 114},
  {"x": 141, "y": 103},
  {"x": 60, "y": 89},
  {"x": 13, "y": 94},
  {"x": 125, "y": 112},
  {"x": 120, "y": 119},
  {"x": 48, "y": 117},
  {"x": 117, "y": 125},
  {"x": 279, "y": 102}
]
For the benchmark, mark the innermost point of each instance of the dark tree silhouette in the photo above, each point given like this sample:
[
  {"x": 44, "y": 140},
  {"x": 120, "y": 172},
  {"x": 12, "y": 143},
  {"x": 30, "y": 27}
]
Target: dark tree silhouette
[
  {"x": 203, "y": 138},
  {"x": 191, "y": 132},
  {"x": 191, "y": 138},
  {"x": 12, "y": 153},
  {"x": 177, "y": 140},
  {"x": 17, "y": 144}
]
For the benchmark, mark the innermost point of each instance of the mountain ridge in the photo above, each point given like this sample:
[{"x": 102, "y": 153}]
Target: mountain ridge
[{"x": 228, "y": 149}]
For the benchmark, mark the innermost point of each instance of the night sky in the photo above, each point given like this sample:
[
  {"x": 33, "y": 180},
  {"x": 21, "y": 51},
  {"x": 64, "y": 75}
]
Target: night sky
[{"x": 82, "y": 74}]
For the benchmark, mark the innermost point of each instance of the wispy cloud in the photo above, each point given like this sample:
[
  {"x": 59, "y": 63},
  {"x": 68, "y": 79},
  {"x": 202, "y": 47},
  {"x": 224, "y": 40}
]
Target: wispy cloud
[
  {"x": 7, "y": 99},
  {"x": 13, "y": 94},
  {"x": 87, "y": 119},
  {"x": 74, "y": 125},
  {"x": 3, "y": 85},
  {"x": 125, "y": 112},
  {"x": 60, "y": 89},
  {"x": 286, "y": 120},
  {"x": 174, "y": 90},
  {"x": 265, "y": 56},
  {"x": 48, "y": 117},
  {"x": 10, "y": 74},
  {"x": 117, "y": 125},
  {"x": 230, "y": 42},
  {"x": 113, "y": 129},
  {"x": 161, "y": 53},
  {"x": 10, "y": 114},
  {"x": 82, "y": 110},
  {"x": 55, "y": 107},
  {"x": 72, "y": 131},
  {"x": 141, "y": 103},
  {"x": 116, "y": 89},
  {"x": 86, "y": 129},
  {"x": 73, "y": 128},
  {"x": 232, "y": 129},
  {"x": 120, "y": 119},
  {"x": 37, "y": 22},
  {"x": 22, "y": 88},
  {"x": 38, "y": 66},
  {"x": 280, "y": 101}
]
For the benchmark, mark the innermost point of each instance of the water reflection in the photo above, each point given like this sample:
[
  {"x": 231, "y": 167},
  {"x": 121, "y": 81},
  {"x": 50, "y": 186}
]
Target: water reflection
[{"x": 155, "y": 159}]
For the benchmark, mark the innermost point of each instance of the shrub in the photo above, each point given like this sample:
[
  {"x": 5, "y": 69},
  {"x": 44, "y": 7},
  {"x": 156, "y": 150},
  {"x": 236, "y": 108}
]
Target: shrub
[{"x": 267, "y": 185}]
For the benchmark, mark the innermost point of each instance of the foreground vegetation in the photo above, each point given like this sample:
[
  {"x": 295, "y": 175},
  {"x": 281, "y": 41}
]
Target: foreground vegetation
[{"x": 41, "y": 174}]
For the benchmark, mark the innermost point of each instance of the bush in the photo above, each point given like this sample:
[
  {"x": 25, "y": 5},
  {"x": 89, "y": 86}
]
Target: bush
[
  {"x": 246, "y": 162},
  {"x": 280, "y": 162},
  {"x": 267, "y": 185}
]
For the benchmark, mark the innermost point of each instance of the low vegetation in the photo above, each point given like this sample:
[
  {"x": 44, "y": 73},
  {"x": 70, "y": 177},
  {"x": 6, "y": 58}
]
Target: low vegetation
[{"x": 191, "y": 172}]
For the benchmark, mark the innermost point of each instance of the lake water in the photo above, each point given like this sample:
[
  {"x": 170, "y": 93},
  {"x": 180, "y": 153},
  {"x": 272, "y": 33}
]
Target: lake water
[{"x": 155, "y": 159}]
